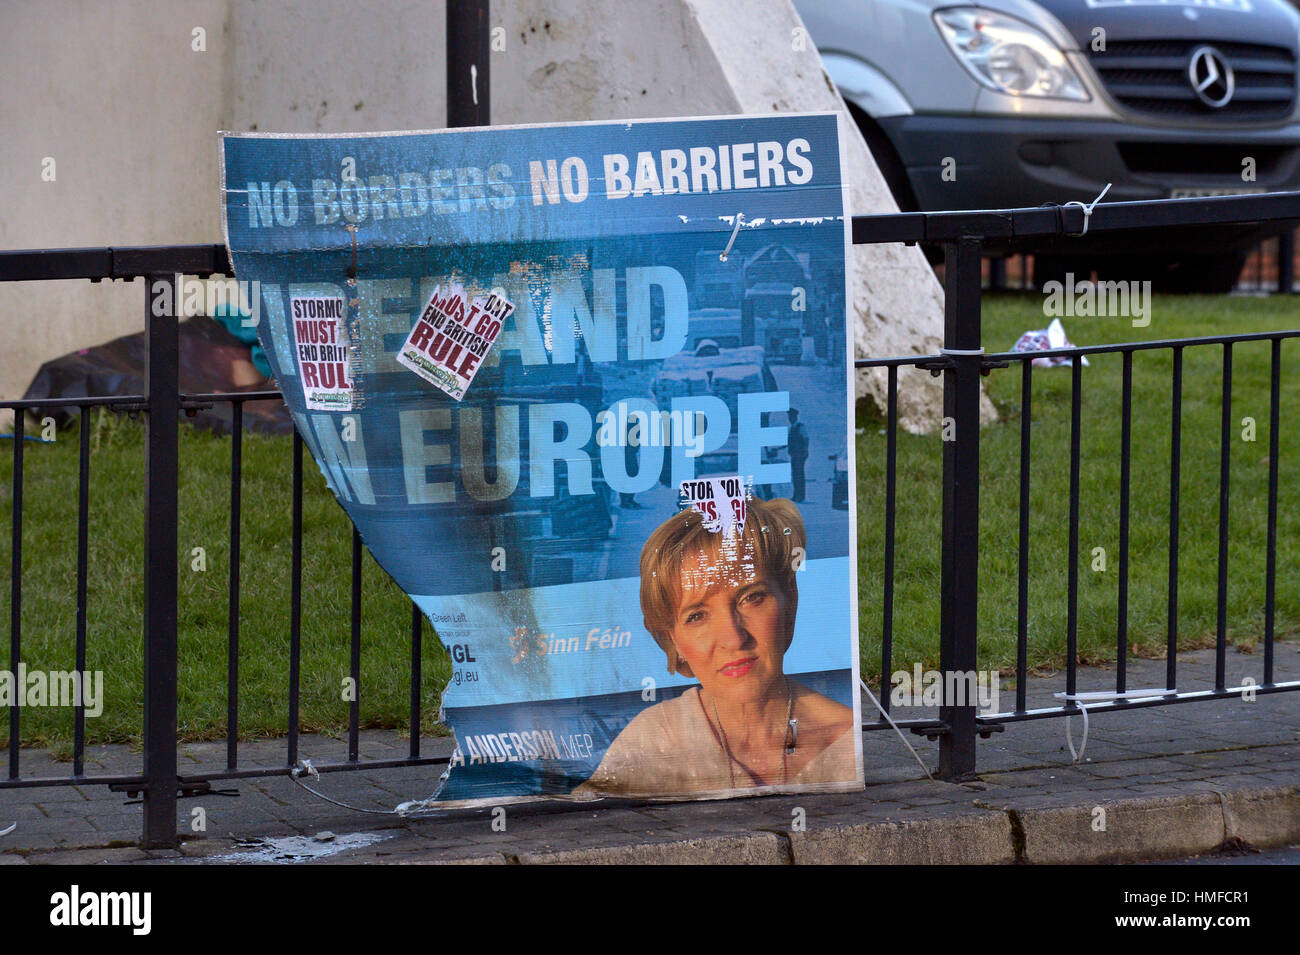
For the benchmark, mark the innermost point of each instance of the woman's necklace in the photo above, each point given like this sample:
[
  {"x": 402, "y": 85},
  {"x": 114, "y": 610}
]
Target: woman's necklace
[{"x": 791, "y": 734}]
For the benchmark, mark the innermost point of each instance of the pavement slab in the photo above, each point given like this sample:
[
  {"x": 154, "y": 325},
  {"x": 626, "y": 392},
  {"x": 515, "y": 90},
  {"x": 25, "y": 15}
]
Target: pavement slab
[{"x": 1154, "y": 782}]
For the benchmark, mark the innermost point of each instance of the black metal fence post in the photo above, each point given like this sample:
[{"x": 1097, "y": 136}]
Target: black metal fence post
[
  {"x": 468, "y": 51},
  {"x": 961, "y": 501},
  {"x": 160, "y": 577}
]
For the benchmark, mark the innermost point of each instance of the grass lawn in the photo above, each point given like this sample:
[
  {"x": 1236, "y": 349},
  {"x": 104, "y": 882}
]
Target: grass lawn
[
  {"x": 115, "y": 590},
  {"x": 917, "y": 562}
]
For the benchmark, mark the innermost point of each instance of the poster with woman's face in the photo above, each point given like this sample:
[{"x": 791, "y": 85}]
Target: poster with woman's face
[{"x": 585, "y": 392}]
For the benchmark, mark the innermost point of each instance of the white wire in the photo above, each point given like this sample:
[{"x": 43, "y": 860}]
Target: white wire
[
  {"x": 305, "y": 768},
  {"x": 740, "y": 219},
  {"x": 906, "y": 743}
]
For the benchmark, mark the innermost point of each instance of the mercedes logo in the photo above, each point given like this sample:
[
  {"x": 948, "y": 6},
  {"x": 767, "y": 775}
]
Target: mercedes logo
[{"x": 1211, "y": 76}]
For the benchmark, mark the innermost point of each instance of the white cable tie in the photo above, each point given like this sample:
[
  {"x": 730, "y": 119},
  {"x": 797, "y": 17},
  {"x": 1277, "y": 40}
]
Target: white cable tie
[
  {"x": 1069, "y": 741},
  {"x": 961, "y": 351},
  {"x": 1101, "y": 696},
  {"x": 1087, "y": 211},
  {"x": 12, "y": 827},
  {"x": 740, "y": 217},
  {"x": 925, "y": 769},
  {"x": 1109, "y": 696}
]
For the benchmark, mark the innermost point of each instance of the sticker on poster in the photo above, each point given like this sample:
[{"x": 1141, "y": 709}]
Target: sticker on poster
[
  {"x": 320, "y": 342},
  {"x": 452, "y": 336},
  {"x": 721, "y": 501}
]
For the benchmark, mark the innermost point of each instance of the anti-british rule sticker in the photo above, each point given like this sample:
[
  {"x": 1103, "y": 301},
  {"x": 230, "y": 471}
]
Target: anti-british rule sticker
[
  {"x": 321, "y": 347},
  {"x": 452, "y": 336}
]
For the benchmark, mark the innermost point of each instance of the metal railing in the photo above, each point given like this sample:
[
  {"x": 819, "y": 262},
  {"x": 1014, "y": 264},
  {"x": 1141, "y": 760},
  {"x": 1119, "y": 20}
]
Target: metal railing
[{"x": 962, "y": 362}]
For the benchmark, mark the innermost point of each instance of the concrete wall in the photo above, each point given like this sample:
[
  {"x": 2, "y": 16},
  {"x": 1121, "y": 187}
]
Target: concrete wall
[{"x": 117, "y": 95}]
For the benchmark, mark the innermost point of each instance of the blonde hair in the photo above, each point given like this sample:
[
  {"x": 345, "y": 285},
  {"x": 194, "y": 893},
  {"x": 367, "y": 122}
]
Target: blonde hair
[{"x": 772, "y": 536}]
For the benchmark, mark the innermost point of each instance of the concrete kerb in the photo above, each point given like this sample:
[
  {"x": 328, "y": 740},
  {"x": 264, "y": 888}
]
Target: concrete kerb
[
  {"x": 1263, "y": 818},
  {"x": 1140, "y": 829},
  {"x": 982, "y": 838},
  {"x": 759, "y": 848},
  {"x": 1135, "y": 830},
  {"x": 1158, "y": 828}
]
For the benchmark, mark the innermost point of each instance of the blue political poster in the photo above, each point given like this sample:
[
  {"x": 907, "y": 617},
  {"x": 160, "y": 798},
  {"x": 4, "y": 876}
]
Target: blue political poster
[{"x": 585, "y": 392}]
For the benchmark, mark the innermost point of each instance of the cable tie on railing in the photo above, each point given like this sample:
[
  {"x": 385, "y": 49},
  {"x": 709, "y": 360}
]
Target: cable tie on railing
[
  {"x": 883, "y": 712},
  {"x": 961, "y": 351},
  {"x": 12, "y": 826},
  {"x": 1069, "y": 738},
  {"x": 1087, "y": 211},
  {"x": 1100, "y": 696}
]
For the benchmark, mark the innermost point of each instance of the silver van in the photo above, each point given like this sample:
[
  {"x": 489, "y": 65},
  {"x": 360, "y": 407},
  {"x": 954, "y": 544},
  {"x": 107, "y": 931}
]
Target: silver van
[{"x": 1019, "y": 103}]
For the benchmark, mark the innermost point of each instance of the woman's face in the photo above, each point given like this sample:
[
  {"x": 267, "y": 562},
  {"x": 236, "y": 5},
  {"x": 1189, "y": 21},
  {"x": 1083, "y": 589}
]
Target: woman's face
[{"x": 733, "y": 626}]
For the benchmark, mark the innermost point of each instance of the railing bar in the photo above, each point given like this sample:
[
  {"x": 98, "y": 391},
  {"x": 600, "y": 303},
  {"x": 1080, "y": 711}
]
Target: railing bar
[
  {"x": 1072, "y": 611},
  {"x": 1083, "y": 349},
  {"x": 295, "y": 600},
  {"x": 1225, "y": 460},
  {"x": 57, "y": 402},
  {"x": 83, "y": 566},
  {"x": 16, "y": 587},
  {"x": 1270, "y": 573},
  {"x": 1125, "y": 471},
  {"x": 1150, "y": 345},
  {"x": 232, "y": 642},
  {"x": 417, "y": 659},
  {"x": 267, "y": 772},
  {"x": 1022, "y": 584},
  {"x": 1175, "y": 482},
  {"x": 891, "y": 485},
  {"x": 354, "y": 705},
  {"x": 33, "y": 782},
  {"x": 235, "y": 396},
  {"x": 1196, "y": 696}
]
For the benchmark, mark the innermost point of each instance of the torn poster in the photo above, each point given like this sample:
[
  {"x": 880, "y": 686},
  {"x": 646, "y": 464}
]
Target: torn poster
[{"x": 552, "y": 372}]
